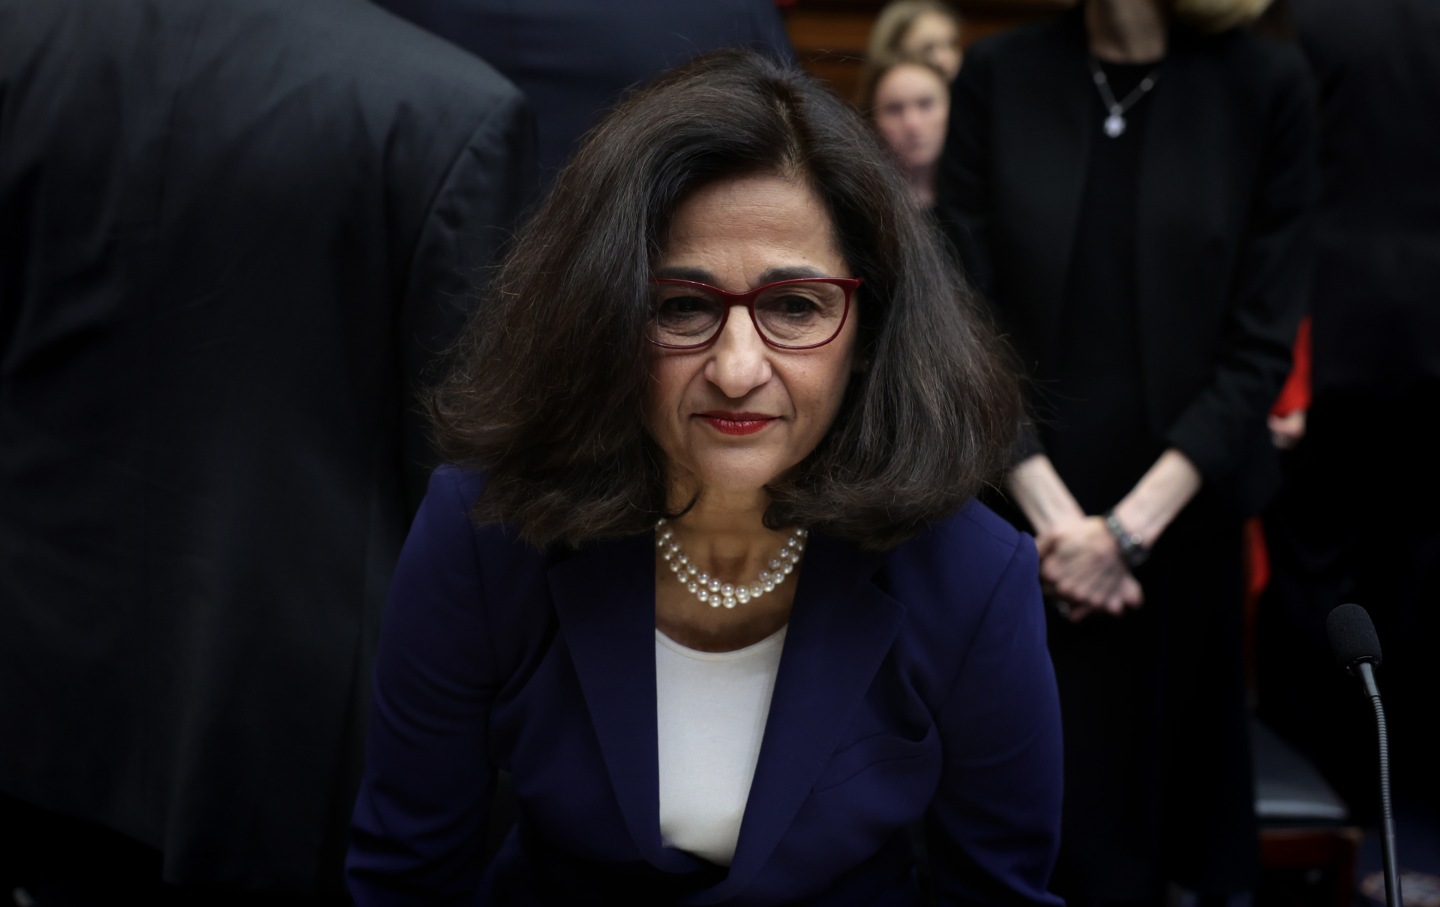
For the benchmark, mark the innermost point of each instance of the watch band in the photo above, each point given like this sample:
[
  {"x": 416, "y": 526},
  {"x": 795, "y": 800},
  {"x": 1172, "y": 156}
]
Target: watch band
[{"x": 1132, "y": 549}]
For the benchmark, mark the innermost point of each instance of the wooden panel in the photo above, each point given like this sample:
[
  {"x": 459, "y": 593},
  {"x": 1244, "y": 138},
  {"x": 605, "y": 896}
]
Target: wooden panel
[{"x": 830, "y": 35}]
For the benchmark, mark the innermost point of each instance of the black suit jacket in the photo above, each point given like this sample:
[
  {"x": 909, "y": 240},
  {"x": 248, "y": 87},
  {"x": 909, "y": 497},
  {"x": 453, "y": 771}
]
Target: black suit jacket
[
  {"x": 575, "y": 58},
  {"x": 1225, "y": 206},
  {"x": 233, "y": 235},
  {"x": 1376, "y": 321}
]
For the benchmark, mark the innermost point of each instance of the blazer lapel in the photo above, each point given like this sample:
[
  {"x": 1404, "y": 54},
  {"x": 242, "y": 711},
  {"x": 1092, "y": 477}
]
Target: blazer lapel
[
  {"x": 605, "y": 601},
  {"x": 840, "y": 630}
]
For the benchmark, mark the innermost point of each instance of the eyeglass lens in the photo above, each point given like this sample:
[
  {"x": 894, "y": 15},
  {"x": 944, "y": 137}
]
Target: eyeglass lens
[{"x": 787, "y": 314}]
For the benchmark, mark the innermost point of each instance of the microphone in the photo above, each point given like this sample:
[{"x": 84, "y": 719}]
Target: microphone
[{"x": 1356, "y": 648}]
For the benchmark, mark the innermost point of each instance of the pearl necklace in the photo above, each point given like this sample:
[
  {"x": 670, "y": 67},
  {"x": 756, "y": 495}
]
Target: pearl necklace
[{"x": 715, "y": 593}]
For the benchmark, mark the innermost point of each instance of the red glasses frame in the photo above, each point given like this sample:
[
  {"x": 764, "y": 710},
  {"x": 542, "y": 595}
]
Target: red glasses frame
[{"x": 747, "y": 299}]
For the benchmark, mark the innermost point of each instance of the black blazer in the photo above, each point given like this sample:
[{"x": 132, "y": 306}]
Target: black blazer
[
  {"x": 1225, "y": 206},
  {"x": 1376, "y": 323},
  {"x": 233, "y": 235}
]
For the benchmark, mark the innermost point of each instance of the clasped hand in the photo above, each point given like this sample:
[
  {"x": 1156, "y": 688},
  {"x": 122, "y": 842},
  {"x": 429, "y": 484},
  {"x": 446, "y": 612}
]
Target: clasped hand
[{"x": 1082, "y": 570}]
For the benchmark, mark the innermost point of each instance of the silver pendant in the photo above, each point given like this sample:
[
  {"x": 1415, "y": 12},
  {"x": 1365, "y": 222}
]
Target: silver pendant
[{"x": 1114, "y": 125}]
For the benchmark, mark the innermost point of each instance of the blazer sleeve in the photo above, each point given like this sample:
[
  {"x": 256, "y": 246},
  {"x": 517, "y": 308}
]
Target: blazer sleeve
[
  {"x": 994, "y": 827},
  {"x": 419, "y": 823},
  {"x": 961, "y": 196},
  {"x": 485, "y": 192},
  {"x": 963, "y": 199},
  {"x": 1270, "y": 288}
]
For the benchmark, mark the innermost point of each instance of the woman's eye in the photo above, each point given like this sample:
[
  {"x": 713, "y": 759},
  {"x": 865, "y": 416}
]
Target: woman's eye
[
  {"x": 686, "y": 316},
  {"x": 682, "y": 307},
  {"x": 791, "y": 305}
]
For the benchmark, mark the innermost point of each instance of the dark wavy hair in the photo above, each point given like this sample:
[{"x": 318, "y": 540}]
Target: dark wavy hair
[{"x": 549, "y": 386}]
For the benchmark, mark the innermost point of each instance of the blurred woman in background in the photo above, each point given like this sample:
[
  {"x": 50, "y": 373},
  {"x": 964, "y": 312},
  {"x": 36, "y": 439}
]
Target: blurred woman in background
[
  {"x": 924, "y": 28},
  {"x": 1132, "y": 184},
  {"x": 907, "y": 98}
]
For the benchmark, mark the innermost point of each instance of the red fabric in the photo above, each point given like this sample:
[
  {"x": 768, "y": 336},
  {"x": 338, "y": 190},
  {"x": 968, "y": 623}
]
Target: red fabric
[{"x": 1295, "y": 395}]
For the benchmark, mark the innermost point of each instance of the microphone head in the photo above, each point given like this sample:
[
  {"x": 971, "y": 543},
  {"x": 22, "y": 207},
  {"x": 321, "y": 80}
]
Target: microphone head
[{"x": 1352, "y": 636}]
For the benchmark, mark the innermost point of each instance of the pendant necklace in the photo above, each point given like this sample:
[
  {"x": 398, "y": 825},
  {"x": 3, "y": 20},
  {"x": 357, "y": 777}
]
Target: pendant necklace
[
  {"x": 1115, "y": 121},
  {"x": 715, "y": 593}
]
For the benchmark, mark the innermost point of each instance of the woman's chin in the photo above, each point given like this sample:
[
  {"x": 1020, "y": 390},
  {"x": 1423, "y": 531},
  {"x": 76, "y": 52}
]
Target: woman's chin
[{"x": 729, "y": 483}]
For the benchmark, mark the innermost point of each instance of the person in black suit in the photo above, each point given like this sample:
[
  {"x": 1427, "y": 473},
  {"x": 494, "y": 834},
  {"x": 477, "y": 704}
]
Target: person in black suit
[
  {"x": 1132, "y": 185},
  {"x": 234, "y": 236},
  {"x": 1375, "y": 371},
  {"x": 574, "y": 59}
]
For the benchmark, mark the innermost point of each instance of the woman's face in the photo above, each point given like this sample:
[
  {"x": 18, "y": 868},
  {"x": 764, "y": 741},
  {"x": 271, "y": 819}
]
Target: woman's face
[
  {"x": 738, "y": 414},
  {"x": 911, "y": 107},
  {"x": 935, "y": 37}
]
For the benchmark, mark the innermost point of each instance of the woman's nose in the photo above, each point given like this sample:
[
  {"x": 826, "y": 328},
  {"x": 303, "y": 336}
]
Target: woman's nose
[{"x": 739, "y": 360}]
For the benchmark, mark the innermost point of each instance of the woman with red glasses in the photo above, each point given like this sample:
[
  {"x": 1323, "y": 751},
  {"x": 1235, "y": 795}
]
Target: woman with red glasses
[{"x": 704, "y": 579}]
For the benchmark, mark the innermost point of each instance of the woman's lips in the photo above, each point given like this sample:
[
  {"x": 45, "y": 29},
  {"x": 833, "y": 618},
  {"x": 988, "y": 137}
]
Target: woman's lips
[{"x": 737, "y": 423}]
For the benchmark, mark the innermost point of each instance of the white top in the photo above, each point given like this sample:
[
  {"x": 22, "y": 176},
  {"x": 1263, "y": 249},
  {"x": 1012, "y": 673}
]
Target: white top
[{"x": 711, "y": 709}]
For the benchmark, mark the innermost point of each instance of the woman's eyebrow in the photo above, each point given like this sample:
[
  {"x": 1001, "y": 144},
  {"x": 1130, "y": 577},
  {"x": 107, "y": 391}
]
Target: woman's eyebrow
[
  {"x": 791, "y": 272},
  {"x": 770, "y": 275},
  {"x": 699, "y": 275}
]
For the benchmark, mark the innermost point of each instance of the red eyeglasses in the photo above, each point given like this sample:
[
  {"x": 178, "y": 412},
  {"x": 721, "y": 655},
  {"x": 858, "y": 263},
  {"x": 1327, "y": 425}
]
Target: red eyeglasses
[{"x": 798, "y": 314}]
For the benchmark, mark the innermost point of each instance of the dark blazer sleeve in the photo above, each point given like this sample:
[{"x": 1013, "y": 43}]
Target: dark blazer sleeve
[
  {"x": 418, "y": 828},
  {"x": 963, "y": 199},
  {"x": 993, "y": 827},
  {"x": 490, "y": 184},
  {"x": 1271, "y": 281}
]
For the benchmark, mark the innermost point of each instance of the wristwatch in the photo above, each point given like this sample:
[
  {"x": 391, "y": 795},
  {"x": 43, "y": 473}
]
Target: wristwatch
[{"x": 1131, "y": 548}]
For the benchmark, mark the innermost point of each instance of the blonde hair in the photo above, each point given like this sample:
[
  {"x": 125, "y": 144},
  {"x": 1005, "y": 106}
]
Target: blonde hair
[
  {"x": 895, "y": 20},
  {"x": 1218, "y": 15}
]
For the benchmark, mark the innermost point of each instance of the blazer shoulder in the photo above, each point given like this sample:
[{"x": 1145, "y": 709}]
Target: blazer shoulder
[
  {"x": 977, "y": 526},
  {"x": 457, "y": 488},
  {"x": 449, "y": 504},
  {"x": 382, "y": 57},
  {"x": 970, "y": 558},
  {"x": 969, "y": 583},
  {"x": 1260, "y": 62},
  {"x": 1025, "y": 41}
]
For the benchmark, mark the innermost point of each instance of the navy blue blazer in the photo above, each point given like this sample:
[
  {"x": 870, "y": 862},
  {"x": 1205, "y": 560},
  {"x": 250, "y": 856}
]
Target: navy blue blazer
[{"x": 915, "y": 692}]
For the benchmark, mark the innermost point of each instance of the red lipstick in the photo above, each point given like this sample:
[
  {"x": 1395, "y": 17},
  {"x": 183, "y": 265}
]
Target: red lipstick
[{"x": 736, "y": 423}]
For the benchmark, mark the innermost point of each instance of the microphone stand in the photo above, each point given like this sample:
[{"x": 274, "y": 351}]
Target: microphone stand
[{"x": 1387, "y": 822}]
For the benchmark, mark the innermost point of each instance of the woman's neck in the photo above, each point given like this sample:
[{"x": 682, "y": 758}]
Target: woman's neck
[
  {"x": 728, "y": 538},
  {"x": 1126, "y": 31},
  {"x": 731, "y": 546},
  {"x": 922, "y": 185}
]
